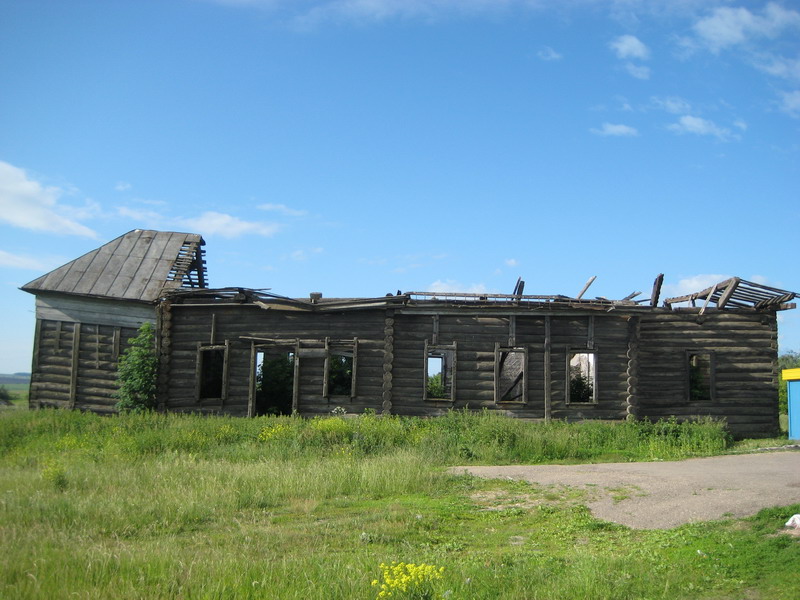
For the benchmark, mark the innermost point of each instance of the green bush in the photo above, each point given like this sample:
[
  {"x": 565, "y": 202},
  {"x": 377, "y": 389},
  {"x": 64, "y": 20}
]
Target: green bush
[{"x": 137, "y": 372}]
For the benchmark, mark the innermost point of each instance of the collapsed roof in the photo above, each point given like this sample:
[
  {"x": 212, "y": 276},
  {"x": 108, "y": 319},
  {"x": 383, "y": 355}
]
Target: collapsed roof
[
  {"x": 139, "y": 265},
  {"x": 733, "y": 293},
  {"x": 737, "y": 293},
  {"x": 144, "y": 265}
]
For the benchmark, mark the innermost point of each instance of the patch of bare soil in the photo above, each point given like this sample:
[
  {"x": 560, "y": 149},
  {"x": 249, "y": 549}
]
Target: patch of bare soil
[{"x": 662, "y": 495}]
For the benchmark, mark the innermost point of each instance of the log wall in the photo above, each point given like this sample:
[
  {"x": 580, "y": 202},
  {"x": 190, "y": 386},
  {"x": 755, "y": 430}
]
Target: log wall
[
  {"x": 641, "y": 358},
  {"x": 244, "y": 328},
  {"x": 745, "y": 351},
  {"x": 476, "y": 337},
  {"x": 75, "y": 364}
]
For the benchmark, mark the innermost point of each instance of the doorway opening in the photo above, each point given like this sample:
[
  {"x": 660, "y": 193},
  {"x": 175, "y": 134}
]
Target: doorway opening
[{"x": 274, "y": 381}]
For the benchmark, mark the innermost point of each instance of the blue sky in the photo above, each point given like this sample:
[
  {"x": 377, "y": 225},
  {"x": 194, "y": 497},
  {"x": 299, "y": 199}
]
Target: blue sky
[{"x": 358, "y": 147}]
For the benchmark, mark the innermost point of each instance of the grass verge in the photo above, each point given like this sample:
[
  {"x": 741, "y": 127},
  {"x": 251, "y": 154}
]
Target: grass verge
[{"x": 164, "y": 506}]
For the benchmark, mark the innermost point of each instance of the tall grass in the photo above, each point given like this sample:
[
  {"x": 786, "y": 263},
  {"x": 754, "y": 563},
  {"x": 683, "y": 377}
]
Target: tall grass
[
  {"x": 459, "y": 437},
  {"x": 188, "y": 507}
]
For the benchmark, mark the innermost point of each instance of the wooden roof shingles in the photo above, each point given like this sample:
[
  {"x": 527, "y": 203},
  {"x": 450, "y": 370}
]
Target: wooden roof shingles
[{"x": 138, "y": 265}]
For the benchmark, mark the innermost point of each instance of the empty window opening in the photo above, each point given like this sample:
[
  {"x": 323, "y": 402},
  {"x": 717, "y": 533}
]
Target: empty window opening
[
  {"x": 274, "y": 382},
  {"x": 582, "y": 373},
  {"x": 340, "y": 374},
  {"x": 439, "y": 373},
  {"x": 700, "y": 376},
  {"x": 212, "y": 372},
  {"x": 510, "y": 370}
]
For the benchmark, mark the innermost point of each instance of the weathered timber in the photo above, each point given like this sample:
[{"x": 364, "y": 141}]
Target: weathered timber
[{"x": 209, "y": 342}]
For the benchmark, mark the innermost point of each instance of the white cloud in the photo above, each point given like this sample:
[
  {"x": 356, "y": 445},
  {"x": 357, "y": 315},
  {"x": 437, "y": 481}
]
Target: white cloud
[
  {"x": 624, "y": 105},
  {"x": 727, "y": 26},
  {"x": 689, "y": 285},
  {"x": 122, "y": 186},
  {"x": 629, "y": 46},
  {"x": 548, "y": 54},
  {"x": 304, "y": 254},
  {"x": 18, "y": 261},
  {"x": 384, "y": 10},
  {"x": 672, "y": 104},
  {"x": 639, "y": 72},
  {"x": 699, "y": 126},
  {"x": 451, "y": 285},
  {"x": 28, "y": 204},
  {"x": 214, "y": 223},
  {"x": 283, "y": 210},
  {"x": 143, "y": 216},
  {"x": 740, "y": 124},
  {"x": 373, "y": 261},
  {"x": 89, "y": 210},
  {"x": 512, "y": 262},
  {"x": 790, "y": 103},
  {"x": 778, "y": 66},
  {"x": 611, "y": 129}
]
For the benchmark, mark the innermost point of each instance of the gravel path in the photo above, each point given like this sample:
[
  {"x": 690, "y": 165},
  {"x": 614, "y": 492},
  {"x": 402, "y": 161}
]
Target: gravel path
[{"x": 662, "y": 495}]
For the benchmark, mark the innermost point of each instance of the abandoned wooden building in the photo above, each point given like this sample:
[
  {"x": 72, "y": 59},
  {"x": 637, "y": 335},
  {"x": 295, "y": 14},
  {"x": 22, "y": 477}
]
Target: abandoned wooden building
[
  {"x": 88, "y": 309},
  {"x": 247, "y": 352}
]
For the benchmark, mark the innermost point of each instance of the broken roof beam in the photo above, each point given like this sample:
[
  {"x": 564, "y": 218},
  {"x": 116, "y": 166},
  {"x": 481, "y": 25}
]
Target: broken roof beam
[
  {"x": 586, "y": 287},
  {"x": 701, "y": 295},
  {"x": 777, "y": 300},
  {"x": 736, "y": 292},
  {"x": 729, "y": 291},
  {"x": 708, "y": 299},
  {"x": 763, "y": 287},
  {"x": 654, "y": 295}
]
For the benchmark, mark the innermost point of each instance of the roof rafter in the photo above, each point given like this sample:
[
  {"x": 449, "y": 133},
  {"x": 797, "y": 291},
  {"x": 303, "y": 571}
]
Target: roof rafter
[{"x": 738, "y": 293}]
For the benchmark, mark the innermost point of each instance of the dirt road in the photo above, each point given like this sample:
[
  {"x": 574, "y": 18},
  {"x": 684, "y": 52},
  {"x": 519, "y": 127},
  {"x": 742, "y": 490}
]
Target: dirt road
[{"x": 661, "y": 495}]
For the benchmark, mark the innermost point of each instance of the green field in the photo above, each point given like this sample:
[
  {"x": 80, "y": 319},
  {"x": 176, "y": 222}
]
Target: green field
[
  {"x": 18, "y": 392},
  {"x": 168, "y": 506}
]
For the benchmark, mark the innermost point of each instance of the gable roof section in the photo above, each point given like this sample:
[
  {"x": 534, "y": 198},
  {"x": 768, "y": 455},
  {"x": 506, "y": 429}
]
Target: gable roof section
[{"x": 136, "y": 266}]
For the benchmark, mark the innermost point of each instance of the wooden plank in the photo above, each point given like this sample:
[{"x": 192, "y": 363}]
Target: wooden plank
[
  {"x": 66, "y": 278},
  {"x": 99, "y": 311},
  {"x": 586, "y": 287},
  {"x": 116, "y": 276},
  {"x": 37, "y": 337},
  {"x": 547, "y": 371},
  {"x": 296, "y": 377},
  {"x": 354, "y": 378},
  {"x": 127, "y": 270},
  {"x": 251, "y": 391},
  {"x": 141, "y": 278},
  {"x": 656, "y": 293},
  {"x": 73, "y": 383},
  {"x": 225, "y": 378},
  {"x": 164, "y": 250},
  {"x": 96, "y": 268}
]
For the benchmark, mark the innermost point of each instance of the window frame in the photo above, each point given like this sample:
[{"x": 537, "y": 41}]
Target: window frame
[
  {"x": 449, "y": 366},
  {"x": 272, "y": 349},
  {"x": 201, "y": 349},
  {"x": 340, "y": 348},
  {"x": 712, "y": 374},
  {"x": 571, "y": 352},
  {"x": 498, "y": 351}
]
